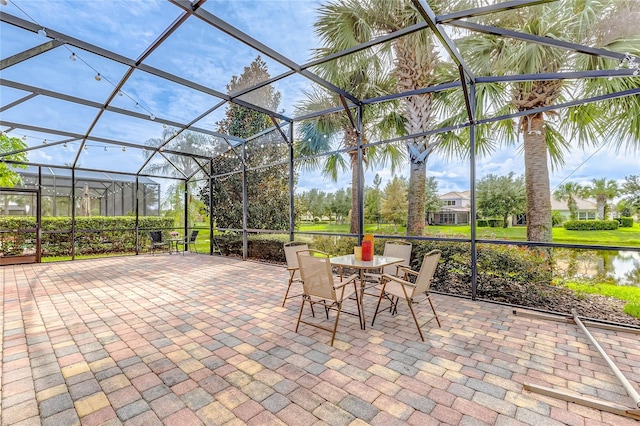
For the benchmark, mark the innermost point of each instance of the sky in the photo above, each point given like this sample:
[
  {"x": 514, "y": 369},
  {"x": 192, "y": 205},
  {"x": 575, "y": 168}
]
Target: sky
[{"x": 208, "y": 57}]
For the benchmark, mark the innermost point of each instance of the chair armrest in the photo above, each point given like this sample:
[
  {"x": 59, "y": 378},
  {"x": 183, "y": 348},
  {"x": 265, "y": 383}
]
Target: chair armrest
[
  {"x": 398, "y": 280},
  {"x": 408, "y": 271},
  {"x": 349, "y": 279}
]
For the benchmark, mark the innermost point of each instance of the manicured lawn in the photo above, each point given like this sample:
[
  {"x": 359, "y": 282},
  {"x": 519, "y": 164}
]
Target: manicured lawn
[
  {"x": 621, "y": 236},
  {"x": 627, "y": 293}
]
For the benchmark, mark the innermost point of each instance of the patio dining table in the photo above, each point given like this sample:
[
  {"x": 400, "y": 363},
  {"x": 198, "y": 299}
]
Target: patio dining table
[{"x": 377, "y": 263}]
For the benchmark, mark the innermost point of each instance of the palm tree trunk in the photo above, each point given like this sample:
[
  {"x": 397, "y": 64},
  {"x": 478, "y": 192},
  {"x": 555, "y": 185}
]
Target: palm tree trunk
[
  {"x": 417, "y": 185},
  {"x": 537, "y": 182},
  {"x": 600, "y": 203},
  {"x": 355, "y": 206}
]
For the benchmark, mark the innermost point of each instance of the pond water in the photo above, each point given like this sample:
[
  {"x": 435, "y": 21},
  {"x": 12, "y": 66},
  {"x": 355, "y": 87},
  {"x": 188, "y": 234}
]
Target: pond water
[{"x": 615, "y": 267}]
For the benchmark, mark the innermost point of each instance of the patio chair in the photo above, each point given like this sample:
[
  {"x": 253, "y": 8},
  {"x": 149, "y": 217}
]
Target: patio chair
[
  {"x": 191, "y": 240},
  {"x": 395, "y": 288},
  {"x": 156, "y": 242},
  {"x": 393, "y": 248},
  {"x": 321, "y": 287},
  {"x": 290, "y": 250}
]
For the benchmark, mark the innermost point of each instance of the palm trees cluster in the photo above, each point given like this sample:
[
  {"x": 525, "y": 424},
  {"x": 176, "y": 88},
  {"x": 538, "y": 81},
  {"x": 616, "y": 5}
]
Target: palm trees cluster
[
  {"x": 417, "y": 61},
  {"x": 603, "y": 190}
]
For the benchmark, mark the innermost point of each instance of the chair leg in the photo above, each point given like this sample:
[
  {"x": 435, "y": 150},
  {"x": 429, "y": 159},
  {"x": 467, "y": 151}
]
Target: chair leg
[
  {"x": 415, "y": 319},
  {"x": 434, "y": 310},
  {"x": 335, "y": 326},
  {"x": 360, "y": 309},
  {"x": 378, "y": 306},
  {"x": 304, "y": 299},
  {"x": 288, "y": 288}
]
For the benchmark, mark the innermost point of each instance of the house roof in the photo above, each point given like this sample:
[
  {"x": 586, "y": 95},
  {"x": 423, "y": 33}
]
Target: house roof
[
  {"x": 582, "y": 204},
  {"x": 465, "y": 195}
]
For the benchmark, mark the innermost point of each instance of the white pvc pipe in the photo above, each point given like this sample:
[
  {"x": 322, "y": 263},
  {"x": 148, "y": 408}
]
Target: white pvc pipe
[{"x": 623, "y": 380}]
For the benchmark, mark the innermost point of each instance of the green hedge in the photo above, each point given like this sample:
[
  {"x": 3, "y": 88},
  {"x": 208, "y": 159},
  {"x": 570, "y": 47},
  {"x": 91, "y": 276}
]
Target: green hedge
[
  {"x": 94, "y": 235},
  {"x": 482, "y": 223},
  {"x": 625, "y": 222},
  {"x": 590, "y": 225}
]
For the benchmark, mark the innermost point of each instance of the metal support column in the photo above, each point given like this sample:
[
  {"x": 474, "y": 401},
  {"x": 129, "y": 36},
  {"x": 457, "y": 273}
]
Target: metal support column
[
  {"x": 73, "y": 214},
  {"x": 186, "y": 210},
  {"x": 292, "y": 218},
  {"x": 245, "y": 235},
  {"x": 211, "y": 230},
  {"x": 39, "y": 217},
  {"x": 472, "y": 182},
  {"x": 136, "y": 208},
  {"x": 360, "y": 176}
]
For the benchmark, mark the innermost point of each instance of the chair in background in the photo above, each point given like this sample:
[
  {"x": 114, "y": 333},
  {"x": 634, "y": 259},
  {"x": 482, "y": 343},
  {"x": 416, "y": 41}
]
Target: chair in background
[
  {"x": 191, "y": 240},
  {"x": 395, "y": 288},
  {"x": 393, "y": 248},
  {"x": 321, "y": 287},
  {"x": 156, "y": 242},
  {"x": 290, "y": 255}
]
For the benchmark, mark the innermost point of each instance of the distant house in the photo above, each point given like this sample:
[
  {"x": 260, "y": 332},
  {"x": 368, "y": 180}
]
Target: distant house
[
  {"x": 587, "y": 210},
  {"x": 456, "y": 208}
]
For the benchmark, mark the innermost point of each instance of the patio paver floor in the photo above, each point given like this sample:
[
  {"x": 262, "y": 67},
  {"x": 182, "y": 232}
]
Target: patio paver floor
[{"x": 194, "y": 339}]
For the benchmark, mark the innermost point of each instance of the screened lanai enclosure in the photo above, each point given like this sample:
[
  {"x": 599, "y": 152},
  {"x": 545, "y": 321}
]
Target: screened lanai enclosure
[{"x": 261, "y": 122}]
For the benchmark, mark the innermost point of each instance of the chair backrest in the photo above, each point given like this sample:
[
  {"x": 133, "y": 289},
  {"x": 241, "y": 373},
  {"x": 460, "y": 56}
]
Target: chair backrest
[
  {"x": 155, "y": 236},
  {"x": 315, "y": 271},
  {"x": 290, "y": 250},
  {"x": 428, "y": 268},
  {"x": 193, "y": 236},
  {"x": 397, "y": 248}
]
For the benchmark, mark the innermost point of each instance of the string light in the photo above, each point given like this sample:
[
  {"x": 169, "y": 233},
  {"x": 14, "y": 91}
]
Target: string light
[
  {"x": 124, "y": 148},
  {"x": 44, "y": 142},
  {"x": 64, "y": 144},
  {"x": 73, "y": 57},
  {"x": 105, "y": 149},
  {"x": 3, "y": 2}
]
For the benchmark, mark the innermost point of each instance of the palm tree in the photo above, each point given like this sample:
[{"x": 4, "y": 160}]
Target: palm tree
[
  {"x": 593, "y": 23},
  {"x": 568, "y": 192},
  {"x": 346, "y": 23},
  {"x": 602, "y": 190},
  {"x": 363, "y": 76}
]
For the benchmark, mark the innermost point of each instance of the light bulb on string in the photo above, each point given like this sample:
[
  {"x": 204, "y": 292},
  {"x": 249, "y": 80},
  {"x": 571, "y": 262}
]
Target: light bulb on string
[
  {"x": 152, "y": 117},
  {"x": 105, "y": 149},
  {"x": 42, "y": 32},
  {"x": 73, "y": 56},
  {"x": 44, "y": 142},
  {"x": 124, "y": 148},
  {"x": 3, "y": 2},
  {"x": 98, "y": 77},
  {"x": 64, "y": 144},
  {"x": 24, "y": 137}
]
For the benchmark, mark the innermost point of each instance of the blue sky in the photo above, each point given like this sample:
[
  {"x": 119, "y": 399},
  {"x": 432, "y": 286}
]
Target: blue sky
[{"x": 206, "y": 56}]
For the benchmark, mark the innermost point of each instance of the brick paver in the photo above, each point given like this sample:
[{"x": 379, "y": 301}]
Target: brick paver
[{"x": 194, "y": 339}]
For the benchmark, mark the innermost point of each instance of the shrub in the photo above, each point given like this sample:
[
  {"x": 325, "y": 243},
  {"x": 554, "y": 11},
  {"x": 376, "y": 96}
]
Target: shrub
[
  {"x": 94, "y": 235},
  {"x": 591, "y": 225},
  {"x": 556, "y": 218},
  {"x": 625, "y": 222},
  {"x": 482, "y": 223},
  {"x": 502, "y": 269},
  {"x": 496, "y": 223}
]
